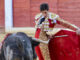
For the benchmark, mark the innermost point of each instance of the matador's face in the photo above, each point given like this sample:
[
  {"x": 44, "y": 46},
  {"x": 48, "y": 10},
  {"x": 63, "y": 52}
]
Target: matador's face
[{"x": 44, "y": 13}]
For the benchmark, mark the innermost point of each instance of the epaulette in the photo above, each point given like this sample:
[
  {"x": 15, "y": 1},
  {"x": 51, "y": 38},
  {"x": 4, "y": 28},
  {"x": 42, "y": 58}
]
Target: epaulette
[
  {"x": 37, "y": 16},
  {"x": 53, "y": 16}
]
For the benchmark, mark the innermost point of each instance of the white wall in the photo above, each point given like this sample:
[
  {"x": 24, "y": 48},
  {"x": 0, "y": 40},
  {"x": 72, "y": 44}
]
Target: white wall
[{"x": 8, "y": 15}]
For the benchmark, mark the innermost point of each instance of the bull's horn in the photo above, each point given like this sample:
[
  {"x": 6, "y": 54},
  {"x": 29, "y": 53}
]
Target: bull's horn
[{"x": 41, "y": 41}]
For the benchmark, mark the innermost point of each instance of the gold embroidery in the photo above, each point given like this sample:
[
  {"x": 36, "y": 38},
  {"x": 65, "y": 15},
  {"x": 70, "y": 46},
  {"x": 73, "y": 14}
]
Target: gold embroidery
[
  {"x": 52, "y": 16},
  {"x": 44, "y": 47},
  {"x": 67, "y": 24}
]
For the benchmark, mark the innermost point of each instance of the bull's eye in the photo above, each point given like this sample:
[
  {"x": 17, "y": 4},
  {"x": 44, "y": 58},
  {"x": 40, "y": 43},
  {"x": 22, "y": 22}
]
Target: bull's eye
[{"x": 23, "y": 40}]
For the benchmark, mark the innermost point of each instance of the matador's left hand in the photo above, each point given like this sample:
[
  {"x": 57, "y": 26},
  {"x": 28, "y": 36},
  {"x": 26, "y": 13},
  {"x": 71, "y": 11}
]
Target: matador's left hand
[{"x": 78, "y": 31}]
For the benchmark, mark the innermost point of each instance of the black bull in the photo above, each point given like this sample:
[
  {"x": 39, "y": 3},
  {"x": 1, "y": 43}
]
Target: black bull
[{"x": 18, "y": 46}]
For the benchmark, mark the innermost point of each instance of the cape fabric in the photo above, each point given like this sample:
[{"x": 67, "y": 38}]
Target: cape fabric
[
  {"x": 62, "y": 48},
  {"x": 65, "y": 48}
]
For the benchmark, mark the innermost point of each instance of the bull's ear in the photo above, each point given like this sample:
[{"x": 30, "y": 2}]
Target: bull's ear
[{"x": 34, "y": 43}]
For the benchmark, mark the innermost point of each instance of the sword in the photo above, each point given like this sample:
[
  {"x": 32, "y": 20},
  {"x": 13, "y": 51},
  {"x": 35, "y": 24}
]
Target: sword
[
  {"x": 61, "y": 36},
  {"x": 57, "y": 37}
]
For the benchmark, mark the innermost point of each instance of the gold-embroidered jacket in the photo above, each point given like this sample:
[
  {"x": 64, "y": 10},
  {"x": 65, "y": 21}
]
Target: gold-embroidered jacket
[{"x": 51, "y": 20}]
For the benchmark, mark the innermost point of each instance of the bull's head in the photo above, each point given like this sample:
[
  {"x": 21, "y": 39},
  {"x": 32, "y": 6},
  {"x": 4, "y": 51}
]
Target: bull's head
[{"x": 27, "y": 45}]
